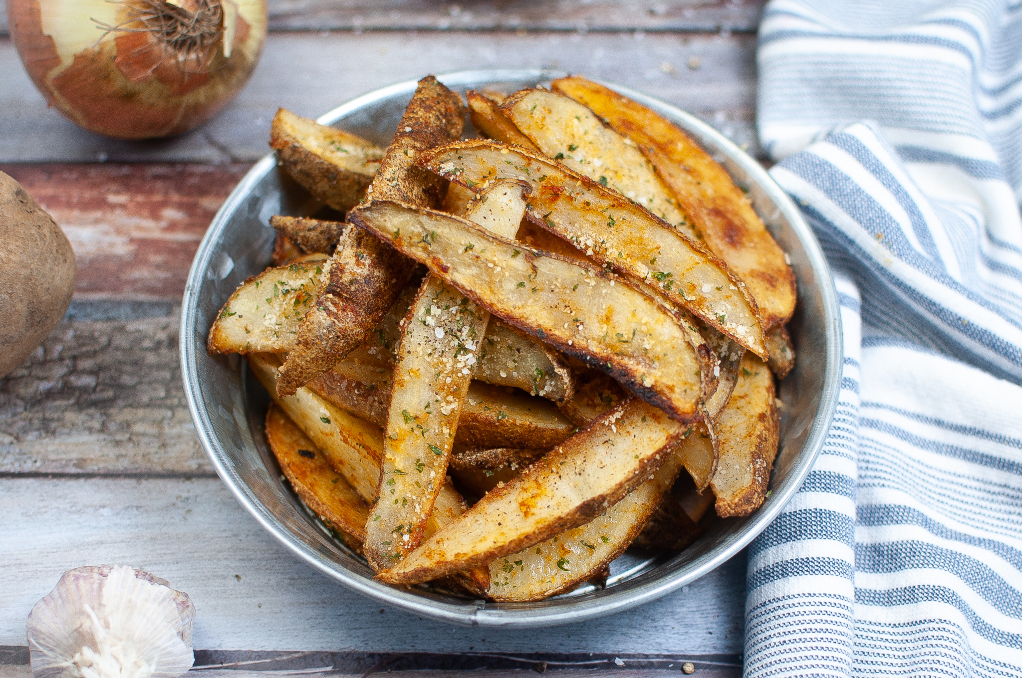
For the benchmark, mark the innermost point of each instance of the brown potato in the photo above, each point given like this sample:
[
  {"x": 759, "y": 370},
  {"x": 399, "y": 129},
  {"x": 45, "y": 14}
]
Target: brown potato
[
  {"x": 322, "y": 489},
  {"x": 336, "y": 167},
  {"x": 309, "y": 235},
  {"x": 480, "y": 470},
  {"x": 782, "y": 353},
  {"x": 679, "y": 520},
  {"x": 37, "y": 277},
  {"x": 570, "y": 486},
  {"x": 705, "y": 192},
  {"x": 575, "y": 307},
  {"x": 486, "y": 116},
  {"x": 747, "y": 438}
]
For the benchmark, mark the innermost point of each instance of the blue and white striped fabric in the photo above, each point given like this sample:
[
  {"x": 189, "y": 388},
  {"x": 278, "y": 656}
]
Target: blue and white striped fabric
[{"x": 899, "y": 129}]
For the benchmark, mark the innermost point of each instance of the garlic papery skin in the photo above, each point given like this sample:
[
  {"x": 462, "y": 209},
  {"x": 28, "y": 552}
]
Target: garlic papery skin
[{"x": 111, "y": 622}]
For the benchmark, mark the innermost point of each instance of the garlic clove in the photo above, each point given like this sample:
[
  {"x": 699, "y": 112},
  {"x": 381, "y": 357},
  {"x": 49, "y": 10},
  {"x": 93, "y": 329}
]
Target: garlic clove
[{"x": 111, "y": 622}]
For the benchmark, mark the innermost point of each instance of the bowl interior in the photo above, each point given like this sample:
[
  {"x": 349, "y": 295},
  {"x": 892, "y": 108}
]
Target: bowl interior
[{"x": 228, "y": 407}]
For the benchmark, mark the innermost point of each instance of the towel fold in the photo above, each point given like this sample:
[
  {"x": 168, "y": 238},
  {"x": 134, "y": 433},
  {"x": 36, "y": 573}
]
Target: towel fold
[{"x": 898, "y": 127}]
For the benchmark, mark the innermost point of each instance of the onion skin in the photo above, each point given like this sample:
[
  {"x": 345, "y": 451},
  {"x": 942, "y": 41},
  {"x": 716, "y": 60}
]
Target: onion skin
[{"x": 129, "y": 84}]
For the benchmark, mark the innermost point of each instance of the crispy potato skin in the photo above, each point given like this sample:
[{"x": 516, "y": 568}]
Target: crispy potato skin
[
  {"x": 705, "y": 192},
  {"x": 365, "y": 275},
  {"x": 747, "y": 437},
  {"x": 322, "y": 489},
  {"x": 310, "y": 235},
  {"x": 781, "y": 358},
  {"x": 37, "y": 277},
  {"x": 487, "y": 117},
  {"x": 304, "y": 149}
]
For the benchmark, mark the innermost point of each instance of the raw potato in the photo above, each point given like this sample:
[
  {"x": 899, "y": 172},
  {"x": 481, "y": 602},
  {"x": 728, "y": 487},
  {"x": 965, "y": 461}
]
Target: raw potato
[
  {"x": 322, "y": 489},
  {"x": 570, "y": 486},
  {"x": 577, "y": 308},
  {"x": 37, "y": 274},
  {"x": 705, "y": 192},
  {"x": 336, "y": 167},
  {"x": 747, "y": 437}
]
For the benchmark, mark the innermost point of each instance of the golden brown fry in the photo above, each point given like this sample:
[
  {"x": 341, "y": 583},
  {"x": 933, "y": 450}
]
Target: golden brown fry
[
  {"x": 365, "y": 275},
  {"x": 336, "y": 167},
  {"x": 781, "y": 357},
  {"x": 614, "y": 231},
  {"x": 486, "y": 117},
  {"x": 322, "y": 489},
  {"x": 599, "y": 394},
  {"x": 309, "y": 235},
  {"x": 564, "y": 129},
  {"x": 573, "y": 556},
  {"x": 510, "y": 358},
  {"x": 699, "y": 457},
  {"x": 747, "y": 437},
  {"x": 578, "y": 309},
  {"x": 729, "y": 360},
  {"x": 284, "y": 251},
  {"x": 705, "y": 192},
  {"x": 264, "y": 313},
  {"x": 570, "y": 486}
]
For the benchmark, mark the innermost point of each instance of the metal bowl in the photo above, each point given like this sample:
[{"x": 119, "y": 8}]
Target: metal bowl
[{"x": 228, "y": 407}]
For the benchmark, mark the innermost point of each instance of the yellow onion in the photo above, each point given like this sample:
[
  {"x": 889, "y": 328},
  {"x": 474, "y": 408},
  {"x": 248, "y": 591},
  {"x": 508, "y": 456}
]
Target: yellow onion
[{"x": 138, "y": 69}]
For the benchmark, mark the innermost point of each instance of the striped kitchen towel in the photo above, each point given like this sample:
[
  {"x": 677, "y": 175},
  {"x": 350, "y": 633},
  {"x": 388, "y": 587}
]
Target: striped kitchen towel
[{"x": 898, "y": 127}]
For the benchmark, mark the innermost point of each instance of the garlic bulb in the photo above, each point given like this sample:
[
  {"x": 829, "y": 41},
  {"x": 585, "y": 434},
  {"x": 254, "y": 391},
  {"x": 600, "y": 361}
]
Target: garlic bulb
[{"x": 111, "y": 622}]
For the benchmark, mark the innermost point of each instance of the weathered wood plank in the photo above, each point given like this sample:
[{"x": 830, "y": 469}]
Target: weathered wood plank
[
  {"x": 311, "y": 73},
  {"x": 252, "y": 594},
  {"x": 134, "y": 228},
  {"x": 101, "y": 396},
  {"x": 605, "y": 15}
]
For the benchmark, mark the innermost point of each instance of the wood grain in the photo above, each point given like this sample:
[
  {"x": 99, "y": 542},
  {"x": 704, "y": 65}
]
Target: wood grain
[
  {"x": 100, "y": 397},
  {"x": 253, "y": 594},
  {"x": 526, "y": 15},
  {"x": 311, "y": 73},
  {"x": 134, "y": 228}
]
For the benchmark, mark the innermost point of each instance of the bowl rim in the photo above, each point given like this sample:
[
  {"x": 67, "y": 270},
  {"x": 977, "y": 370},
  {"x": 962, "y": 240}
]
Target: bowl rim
[{"x": 565, "y": 610}]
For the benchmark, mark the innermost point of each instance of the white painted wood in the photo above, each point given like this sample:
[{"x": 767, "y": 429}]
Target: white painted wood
[
  {"x": 252, "y": 594},
  {"x": 312, "y": 73}
]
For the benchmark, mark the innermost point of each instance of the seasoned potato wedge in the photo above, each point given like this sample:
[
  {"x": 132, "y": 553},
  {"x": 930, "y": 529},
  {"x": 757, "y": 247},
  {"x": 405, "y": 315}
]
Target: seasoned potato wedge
[
  {"x": 487, "y": 118},
  {"x": 747, "y": 438},
  {"x": 576, "y": 555},
  {"x": 699, "y": 456},
  {"x": 614, "y": 231},
  {"x": 322, "y": 489},
  {"x": 309, "y": 235},
  {"x": 599, "y": 394},
  {"x": 566, "y": 130},
  {"x": 705, "y": 192},
  {"x": 264, "y": 313},
  {"x": 364, "y": 275},
  {"x": 336, "y": 167},
  {"x": 782, "y": 353},
  {"x": 579, "y": 309},
  {"x": 729, "y": 360},
  {"x": 510, "y": 358},
  {"x": 570, "y": 486}
]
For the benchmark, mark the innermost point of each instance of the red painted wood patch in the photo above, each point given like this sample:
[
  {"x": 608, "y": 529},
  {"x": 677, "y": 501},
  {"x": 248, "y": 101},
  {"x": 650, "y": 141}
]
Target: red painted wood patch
[{"x": 134, "y": 227}]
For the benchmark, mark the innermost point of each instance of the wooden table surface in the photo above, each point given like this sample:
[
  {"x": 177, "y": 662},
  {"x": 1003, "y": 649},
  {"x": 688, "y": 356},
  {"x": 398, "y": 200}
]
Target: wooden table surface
[{"x": 99, "y": 461}]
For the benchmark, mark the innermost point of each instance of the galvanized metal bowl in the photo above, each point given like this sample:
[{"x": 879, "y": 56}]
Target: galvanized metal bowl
[{"x": 228, "y": 407}]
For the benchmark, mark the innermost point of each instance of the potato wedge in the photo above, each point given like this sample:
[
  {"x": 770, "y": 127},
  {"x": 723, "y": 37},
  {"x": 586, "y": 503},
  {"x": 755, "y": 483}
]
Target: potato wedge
[
  {"x": 570, "y": 486},
  {"x": 480, "y": 470},
  {"x": 264, "y": 313},
  {"x": 614, "y": 231},
  {"x": 284, "y": 251},
  {"x": 336, "y": 167},
  {"x": 579, "y": 309},
  {"x": 365, "y": 275},
  {"x": 705, "y": 192},
  {"x": 599, "y": 394},
  {"x": 747, "y": 437},
  {"x": 563, "y": 129},
  {"x": 487, "y": 118},
  {"x": 510, "y": 358},
  {"x": 699, "y": 456},
  {"x": 781, "y": 357},
  {"x": 310, "y": 235},
  {"x": 324, "y": 491},
  {"x": 729, "y": 361},
  {"x": 573, "y": 556}
]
